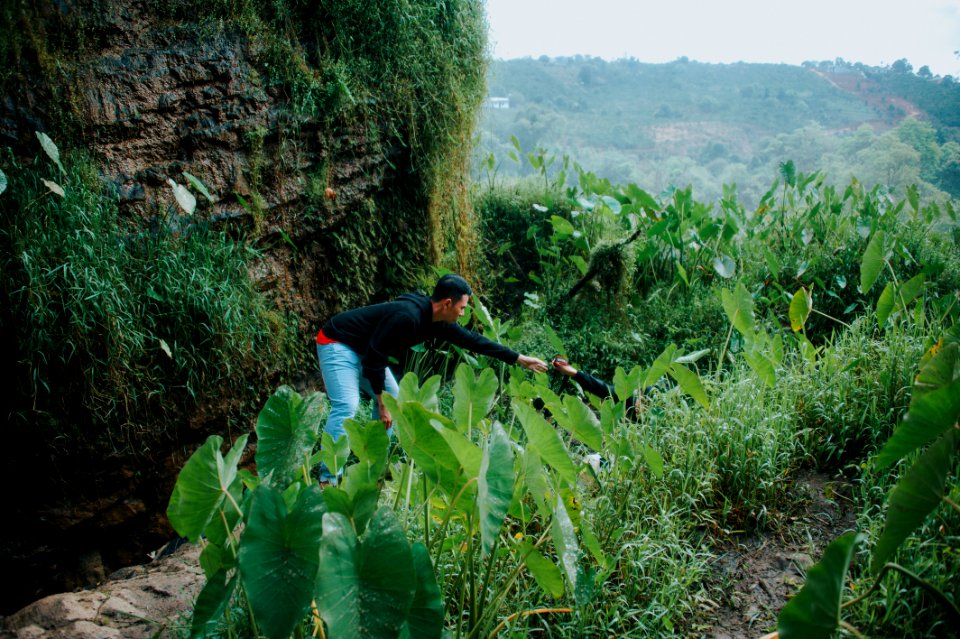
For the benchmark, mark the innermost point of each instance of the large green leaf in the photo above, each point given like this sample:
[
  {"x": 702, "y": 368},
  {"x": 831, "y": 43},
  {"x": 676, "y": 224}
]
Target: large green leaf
[
  {"x": 565, "y": 541},
  {"x": 545, "y": 572},
  {"x": 333, "y": 454},
  {"x": 641, "y": 197},
  {"x": 411, "y": 391},
  {"x": 761, "y": 365},
  {"x": 287, "y": 430},
  {"x": 815, "y": 612},
  {"x": 654, "y": 460},
  {"x": 689, "y": 383},
  {"x": 660, "y": 366},
  {"x": 551, "y": 334},
  {"x": 473, "y": 397},
  {"x": 724, "y": 266},
  {"x": 211, "y": 602},
  {"x": 872, "y": 263},
  {"x": 425, "y": 619},
  {"x": 50, "y": 148},
  {"x": 279, "y": 557},
  {"x": 535, "y": 479},
  {"x": 547, "y": 441},
  {"x": 426, "y": 445},
  {"x": 934, "y": 406},
  {"x": 365, "y": 589},
  {"x": 626, "y": 384},
  {"x": 200, "y": 186},
  {"x": 915, "y": 496},
  {"x": 468, "y": 457},
  {"x": 582, "y": 423},
  {"x": 495, "y": 485},
  {"x": 909, "y": 290},
  {"x": 202, "y": 486},
  {"x": 800, "y": 307},
  {"x": 3, "y": 182},
  {"x": 371, "y": 444},
  {"x": 885, "y": 304},
  {"x": 738, "y": 305}
]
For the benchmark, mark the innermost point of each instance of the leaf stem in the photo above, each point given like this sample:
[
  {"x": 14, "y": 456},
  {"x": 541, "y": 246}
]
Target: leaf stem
[
  {"x": 830, "y": 317},
  {"x": 951, "y": 503},
  {"x": 846, "y": 626},
  {"x": 936, "y": 593},
  {"x": 526, "y": 613}
]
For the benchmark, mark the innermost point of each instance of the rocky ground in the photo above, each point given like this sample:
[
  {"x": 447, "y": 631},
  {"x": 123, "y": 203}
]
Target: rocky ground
[
  {"x": 140, "y": 602},
  {"x": 758, "y": 574}
]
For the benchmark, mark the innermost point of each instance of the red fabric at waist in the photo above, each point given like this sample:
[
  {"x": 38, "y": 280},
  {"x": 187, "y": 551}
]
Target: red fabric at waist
[{"x": 323, "y": 339}]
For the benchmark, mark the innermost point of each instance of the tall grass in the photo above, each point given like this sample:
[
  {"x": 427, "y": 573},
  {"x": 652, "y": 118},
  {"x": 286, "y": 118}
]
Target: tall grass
[{"x": 121, "y": 323}]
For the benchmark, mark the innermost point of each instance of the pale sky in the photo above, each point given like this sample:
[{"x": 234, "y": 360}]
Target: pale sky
[{"x": 876, "y": 33}]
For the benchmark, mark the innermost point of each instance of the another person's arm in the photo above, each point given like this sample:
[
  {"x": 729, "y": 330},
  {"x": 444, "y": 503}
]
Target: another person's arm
[{"x": 589, "y": 383}]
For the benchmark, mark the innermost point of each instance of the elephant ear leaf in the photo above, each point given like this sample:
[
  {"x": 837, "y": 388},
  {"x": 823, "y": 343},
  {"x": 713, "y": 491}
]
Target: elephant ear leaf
[
  {"x": 872, "y": 263},
  {"x": 202, "y": 487},
  {"x": 279, "y": 557},
  {"x": 366, "y": 588},
  {"x": 50, "y": 148},
  {"x": 815, "y": 612},
  {"x": 495, "y": 485},
  {"x": 425, "y": 620},
  {"x": 738, "y": 305},
  {"x": 934, "y": 405},
  {"x": 286, "y": 434},
  {"x": 915, "y": 496}
]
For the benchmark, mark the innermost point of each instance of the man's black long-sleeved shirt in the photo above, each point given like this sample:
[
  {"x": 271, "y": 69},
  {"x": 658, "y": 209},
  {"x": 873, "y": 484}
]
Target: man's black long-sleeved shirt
[{"x": 381, "y": 331}]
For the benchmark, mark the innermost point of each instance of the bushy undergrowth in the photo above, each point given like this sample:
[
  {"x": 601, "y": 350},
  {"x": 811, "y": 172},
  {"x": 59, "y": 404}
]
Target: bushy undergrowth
[
  {"x": 117, "y": 329},
  {"x": 833, "y": 382}
]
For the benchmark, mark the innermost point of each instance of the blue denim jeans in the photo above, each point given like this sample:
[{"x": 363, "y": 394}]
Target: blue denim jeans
[{"x": 343, "y": 376}]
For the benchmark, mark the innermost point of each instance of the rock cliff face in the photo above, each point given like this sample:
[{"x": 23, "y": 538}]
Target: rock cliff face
[
  {"x": 151, "y": 97},
  {"x": 155, "y": 99}
]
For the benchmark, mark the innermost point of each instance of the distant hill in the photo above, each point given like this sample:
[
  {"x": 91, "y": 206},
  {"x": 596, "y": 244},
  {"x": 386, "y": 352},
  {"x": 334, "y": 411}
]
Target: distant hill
[{"x": 687, "y": 122}]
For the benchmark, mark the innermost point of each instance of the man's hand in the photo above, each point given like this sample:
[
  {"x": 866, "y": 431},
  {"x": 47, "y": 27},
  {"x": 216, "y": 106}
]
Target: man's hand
[
  {"x": 385, "y": 415},
  {"x": 532, "y": 364}
]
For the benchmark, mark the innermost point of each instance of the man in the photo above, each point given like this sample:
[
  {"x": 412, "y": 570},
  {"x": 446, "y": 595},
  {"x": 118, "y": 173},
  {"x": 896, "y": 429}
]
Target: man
[{"x": 354, "y": 347}]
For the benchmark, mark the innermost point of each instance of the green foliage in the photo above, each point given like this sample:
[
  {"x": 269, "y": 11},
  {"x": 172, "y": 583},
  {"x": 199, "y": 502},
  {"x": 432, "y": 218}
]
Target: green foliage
[
  {"x": 652, "y": 123},
  {"x": 113, "y": 323},
  {"x": 288, "y": 426},
  {"x": 206, "y": 490},
  {"x": 281, "y": 541},
  {"x": 815, "y": 611}
]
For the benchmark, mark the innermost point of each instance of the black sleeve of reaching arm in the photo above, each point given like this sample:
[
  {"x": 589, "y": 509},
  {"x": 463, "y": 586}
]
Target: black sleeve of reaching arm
[
  {"x": 475, "y": 342},
  {"x": 595, "y": 386}
]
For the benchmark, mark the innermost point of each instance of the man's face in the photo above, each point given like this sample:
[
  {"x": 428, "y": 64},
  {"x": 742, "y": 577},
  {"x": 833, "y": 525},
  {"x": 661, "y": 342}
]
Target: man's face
[{"x": 451, "y": 311}]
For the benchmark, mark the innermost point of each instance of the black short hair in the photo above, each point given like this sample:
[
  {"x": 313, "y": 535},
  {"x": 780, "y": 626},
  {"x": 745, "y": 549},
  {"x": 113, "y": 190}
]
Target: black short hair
[{"x": 450, "y": 286}]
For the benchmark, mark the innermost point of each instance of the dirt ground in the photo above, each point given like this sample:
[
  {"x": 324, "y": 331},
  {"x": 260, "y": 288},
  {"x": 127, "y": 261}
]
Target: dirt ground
[{"x": 757, "y": 574}]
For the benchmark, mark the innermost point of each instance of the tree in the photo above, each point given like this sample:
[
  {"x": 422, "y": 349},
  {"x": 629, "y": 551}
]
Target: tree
[
  {"x": 949, "y": 175},
  {"x": 902, "y": 66},
  {"x": 923, "y": 139}
]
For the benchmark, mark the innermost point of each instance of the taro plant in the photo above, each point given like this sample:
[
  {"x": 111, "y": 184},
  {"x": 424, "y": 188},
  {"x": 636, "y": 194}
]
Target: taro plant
[
  {"x": 490, "y": 503},
  {"x": 931, "y": 423},
  {"x": 296, "y": 555},
  {"x": 469, "y": 477}
]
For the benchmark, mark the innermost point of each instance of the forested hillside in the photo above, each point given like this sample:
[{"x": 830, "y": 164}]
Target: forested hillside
[{"x": 706, "y": 125}]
